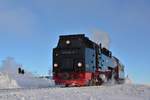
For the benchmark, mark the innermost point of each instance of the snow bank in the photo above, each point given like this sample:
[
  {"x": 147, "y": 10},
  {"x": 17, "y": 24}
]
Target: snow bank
[
  {"x": 6, "y": 82},
  {"x": 11, "y": 78},
  {"x": 30, "y": 81},
  {"x": 23, "y": 81}
]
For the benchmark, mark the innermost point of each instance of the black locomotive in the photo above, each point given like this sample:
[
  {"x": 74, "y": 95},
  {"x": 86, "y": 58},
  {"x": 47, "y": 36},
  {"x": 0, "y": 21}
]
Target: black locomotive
[{"x": 78, "y": 61}]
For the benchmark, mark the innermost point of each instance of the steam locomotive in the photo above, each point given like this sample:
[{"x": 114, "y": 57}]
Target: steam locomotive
[{"x": 78, "y": 61}]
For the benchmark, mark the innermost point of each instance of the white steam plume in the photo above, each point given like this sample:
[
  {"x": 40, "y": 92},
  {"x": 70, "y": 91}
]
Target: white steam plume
[
  {"x": 99, "y": 36},
  {"x": 9, "y": 66}
]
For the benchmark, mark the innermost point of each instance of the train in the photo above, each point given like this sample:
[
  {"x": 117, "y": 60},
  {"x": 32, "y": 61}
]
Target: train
[{"x": 78, "y": 61}]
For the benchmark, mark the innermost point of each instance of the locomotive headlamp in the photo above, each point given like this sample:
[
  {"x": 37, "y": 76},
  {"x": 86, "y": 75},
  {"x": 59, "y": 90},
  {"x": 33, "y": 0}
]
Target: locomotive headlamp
[
  {"x": 55, "y": 65},
  {"x": 67, "y": 42},
  {"x": 79, "y": 64}
]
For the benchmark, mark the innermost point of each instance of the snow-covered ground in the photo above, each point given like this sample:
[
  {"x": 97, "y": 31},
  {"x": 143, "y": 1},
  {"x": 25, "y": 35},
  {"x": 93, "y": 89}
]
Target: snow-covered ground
[
  {"x": 28, "y": 87},
  {"x": 6, "y": 82},
  {"x": 26, "y": 81},
  {"x": 115, "y": 92},
  {"x": 14, "y": 86}
]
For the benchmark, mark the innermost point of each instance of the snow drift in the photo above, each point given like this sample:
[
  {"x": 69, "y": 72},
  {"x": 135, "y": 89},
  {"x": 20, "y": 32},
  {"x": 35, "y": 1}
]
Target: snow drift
[
  {"x": 10, "y": 78},
  {"x": 26, "y": 81},
  {"x": 7, "y": 82},
  {"x": 23, "y": 81}
]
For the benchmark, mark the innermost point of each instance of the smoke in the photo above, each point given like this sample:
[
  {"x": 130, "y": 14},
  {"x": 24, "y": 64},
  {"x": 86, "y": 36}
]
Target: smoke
[
  {"x": 99, "y": 36},
  {"x": 9, "y": 66}
]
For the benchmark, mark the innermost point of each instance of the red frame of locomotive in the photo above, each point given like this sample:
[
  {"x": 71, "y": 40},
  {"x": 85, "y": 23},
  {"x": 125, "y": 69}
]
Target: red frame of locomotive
[{"x": 83, "y": 77}]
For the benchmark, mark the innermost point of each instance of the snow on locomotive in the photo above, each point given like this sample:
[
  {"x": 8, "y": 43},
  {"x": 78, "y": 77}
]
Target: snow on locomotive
[{"x": 78, "y": 61}]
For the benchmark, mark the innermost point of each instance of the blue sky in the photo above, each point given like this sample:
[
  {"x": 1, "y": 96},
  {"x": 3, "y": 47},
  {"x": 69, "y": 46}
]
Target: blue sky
[{"x": 29, "y": 29}]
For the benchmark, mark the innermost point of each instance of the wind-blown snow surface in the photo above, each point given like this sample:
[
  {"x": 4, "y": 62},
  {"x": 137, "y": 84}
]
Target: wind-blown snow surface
[
  {"x": 6, "y": 82},
  {"x": 115, "y": 92}
]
